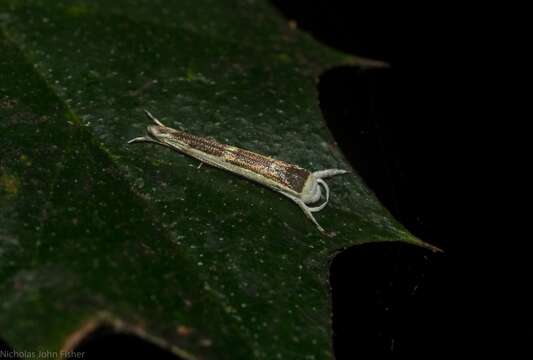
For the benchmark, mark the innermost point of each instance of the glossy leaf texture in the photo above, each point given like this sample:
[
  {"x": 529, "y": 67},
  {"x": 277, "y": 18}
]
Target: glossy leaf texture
[{"x": 95, "y": 232}]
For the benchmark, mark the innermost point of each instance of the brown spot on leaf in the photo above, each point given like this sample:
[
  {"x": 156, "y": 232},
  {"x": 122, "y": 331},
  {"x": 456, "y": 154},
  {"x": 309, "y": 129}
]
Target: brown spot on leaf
[
  {"x": 183, "y": 330},
  {"x": 9, "y": 184}
]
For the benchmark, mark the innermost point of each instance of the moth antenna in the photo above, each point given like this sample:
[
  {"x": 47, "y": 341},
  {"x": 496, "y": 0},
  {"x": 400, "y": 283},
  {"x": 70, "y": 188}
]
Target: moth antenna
[
  {"x": 143, "y": 139},
  {"x": 323, "y": 205},
  {"x": 328, "y": 173},
  {"x": 153, "y": 118}
]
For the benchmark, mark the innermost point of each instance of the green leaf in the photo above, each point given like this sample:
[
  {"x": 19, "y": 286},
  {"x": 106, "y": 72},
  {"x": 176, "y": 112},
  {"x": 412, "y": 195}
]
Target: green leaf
[{"x": 94, "y": 232}]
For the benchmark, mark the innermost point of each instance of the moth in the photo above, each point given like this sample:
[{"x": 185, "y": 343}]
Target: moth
[{"x": 298, "y": 184}]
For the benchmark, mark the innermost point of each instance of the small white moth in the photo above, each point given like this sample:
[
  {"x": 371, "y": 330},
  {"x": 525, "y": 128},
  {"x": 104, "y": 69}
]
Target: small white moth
[{"x": 300, "y": 185}]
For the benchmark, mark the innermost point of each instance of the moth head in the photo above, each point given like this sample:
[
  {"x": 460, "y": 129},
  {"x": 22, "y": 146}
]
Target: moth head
[{"x": 159, "y": 133}]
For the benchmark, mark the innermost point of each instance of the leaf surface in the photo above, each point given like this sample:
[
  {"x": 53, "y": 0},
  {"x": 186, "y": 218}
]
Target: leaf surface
[{"x": 94, "y": 232}]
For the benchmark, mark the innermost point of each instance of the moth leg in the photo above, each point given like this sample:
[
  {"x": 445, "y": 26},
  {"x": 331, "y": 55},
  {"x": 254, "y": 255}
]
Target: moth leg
[
  {"x": 328, "y": 173},
  {"x": 306, "y": 211},
  {"x": 153, "y": 118}
]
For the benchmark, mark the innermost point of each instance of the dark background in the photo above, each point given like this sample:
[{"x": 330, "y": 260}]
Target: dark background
[{"x": 403, "y": 129}]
